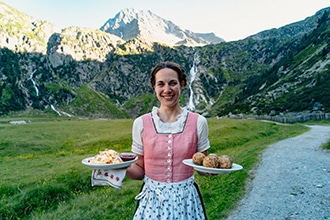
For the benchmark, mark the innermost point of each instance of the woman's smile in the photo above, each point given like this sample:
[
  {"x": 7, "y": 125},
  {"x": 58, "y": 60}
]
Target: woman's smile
[{"x": 168, "y": 96}]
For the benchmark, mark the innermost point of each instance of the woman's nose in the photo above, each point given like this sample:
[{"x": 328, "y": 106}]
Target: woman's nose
[{"x": 167, "y": 87}]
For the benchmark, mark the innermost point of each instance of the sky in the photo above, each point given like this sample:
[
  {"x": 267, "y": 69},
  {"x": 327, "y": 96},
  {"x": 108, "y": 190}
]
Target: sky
[{"x": 229, "y": 19}]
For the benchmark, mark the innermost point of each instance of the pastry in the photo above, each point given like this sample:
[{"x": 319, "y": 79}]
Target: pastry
[
  {"x": 198, "y": 158},
  {"x": 106, "y": 157},
  {"x": 211, "y": 161},
  {"x": 225, "y": 162}
]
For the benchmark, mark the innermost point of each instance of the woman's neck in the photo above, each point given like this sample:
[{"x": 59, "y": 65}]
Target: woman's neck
[{"x": 169, "y": 115}]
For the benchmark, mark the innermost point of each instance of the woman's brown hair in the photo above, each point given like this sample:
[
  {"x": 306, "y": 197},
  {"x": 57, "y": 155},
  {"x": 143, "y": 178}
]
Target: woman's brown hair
[{"x": 171, "y": 65}]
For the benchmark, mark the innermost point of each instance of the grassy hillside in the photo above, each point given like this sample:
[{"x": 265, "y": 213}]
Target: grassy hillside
[
  {"x": 43, "y": 178},
  {"x": 91, "y": 104}
]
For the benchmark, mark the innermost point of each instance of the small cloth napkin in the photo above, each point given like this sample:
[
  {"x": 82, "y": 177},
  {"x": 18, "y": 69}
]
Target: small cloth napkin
[{"x": 114, "y": 178}]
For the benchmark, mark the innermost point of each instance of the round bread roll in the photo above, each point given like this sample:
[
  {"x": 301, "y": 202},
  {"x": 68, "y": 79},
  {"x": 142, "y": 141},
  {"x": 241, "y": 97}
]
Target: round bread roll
[
  {"x": 225, "y": 162},
  {"x": 211, "y": 161},
  {"x": 198, "y": 158}
]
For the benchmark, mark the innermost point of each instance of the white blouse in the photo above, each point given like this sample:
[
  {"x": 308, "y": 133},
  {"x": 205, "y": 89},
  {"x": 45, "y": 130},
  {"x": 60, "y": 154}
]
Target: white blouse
[{"x": 173, "y": 127}]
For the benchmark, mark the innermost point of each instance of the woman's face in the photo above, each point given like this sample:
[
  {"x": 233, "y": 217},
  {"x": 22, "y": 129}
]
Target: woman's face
[{"x": 167, "y": 87}]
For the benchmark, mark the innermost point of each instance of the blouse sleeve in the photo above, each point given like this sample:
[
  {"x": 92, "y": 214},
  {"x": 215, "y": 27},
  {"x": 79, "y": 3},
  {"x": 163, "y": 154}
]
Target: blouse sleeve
[
  {"x": 203, "y": 133},
  {"x": 137, "y": 129}
]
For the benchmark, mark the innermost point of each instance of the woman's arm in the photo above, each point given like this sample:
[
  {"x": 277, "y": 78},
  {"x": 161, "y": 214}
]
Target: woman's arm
[{"x": 136, "y": 170}]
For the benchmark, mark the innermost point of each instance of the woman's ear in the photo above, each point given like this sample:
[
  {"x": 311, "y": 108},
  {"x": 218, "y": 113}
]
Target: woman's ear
[{"x": 182, "y": 84}]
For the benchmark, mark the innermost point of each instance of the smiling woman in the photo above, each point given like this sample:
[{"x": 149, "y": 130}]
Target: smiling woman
[{"x": 162, "y": 139}]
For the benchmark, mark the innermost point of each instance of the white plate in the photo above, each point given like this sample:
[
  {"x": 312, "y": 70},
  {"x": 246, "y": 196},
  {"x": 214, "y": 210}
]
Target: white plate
[
  {"x": 203, "y": 169},
  {"x": 124, "y": 164}
]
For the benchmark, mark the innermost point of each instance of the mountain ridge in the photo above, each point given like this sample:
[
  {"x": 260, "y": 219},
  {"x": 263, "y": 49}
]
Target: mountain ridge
[{"x": 73, "y": 68}]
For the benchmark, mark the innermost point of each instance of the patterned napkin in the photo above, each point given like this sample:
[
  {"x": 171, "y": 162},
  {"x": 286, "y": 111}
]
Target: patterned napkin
[{"x": 114, "y": 178}]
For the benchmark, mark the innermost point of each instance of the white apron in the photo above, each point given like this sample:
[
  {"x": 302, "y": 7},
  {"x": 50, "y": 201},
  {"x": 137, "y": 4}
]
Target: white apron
[{"x": 158, "y": 201}]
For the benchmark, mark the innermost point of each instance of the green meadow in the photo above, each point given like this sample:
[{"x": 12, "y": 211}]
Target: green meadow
[{"x": 42, "y": 176}]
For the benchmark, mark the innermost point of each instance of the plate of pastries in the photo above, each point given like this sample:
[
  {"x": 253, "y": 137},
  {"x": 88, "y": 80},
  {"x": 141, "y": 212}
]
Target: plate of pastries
[
  {"x": 110, "y": 159},
  {"x": 212, "y": 163}
]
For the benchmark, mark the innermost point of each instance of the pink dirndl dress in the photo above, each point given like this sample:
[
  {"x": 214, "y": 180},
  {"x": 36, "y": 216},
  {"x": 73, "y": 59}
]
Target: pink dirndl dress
[{"x": 169, "y": 190}]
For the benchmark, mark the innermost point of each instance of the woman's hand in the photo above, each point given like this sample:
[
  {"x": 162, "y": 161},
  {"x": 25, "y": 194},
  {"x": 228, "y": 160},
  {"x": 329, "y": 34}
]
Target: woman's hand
[{"x": 206, "y": 174}]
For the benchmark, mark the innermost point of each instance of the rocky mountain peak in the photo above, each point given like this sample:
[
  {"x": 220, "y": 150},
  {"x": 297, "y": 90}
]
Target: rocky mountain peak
[
  {"x": 129, "y": 14},
  {"x": 131, "y": 23}
]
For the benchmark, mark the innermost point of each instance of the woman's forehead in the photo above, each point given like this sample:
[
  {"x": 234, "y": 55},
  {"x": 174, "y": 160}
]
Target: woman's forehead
[{"x": 166, "y": 74}]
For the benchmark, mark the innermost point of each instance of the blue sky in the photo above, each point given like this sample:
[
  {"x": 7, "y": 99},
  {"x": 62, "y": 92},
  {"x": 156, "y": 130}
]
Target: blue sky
[{"x": 229, "y": 19}]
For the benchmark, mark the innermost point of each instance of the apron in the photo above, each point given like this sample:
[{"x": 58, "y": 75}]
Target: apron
[{"x": 160, "y": 200}]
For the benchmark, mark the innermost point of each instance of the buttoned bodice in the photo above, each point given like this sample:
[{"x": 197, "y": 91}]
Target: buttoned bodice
[{"x": 164, "y": 152}]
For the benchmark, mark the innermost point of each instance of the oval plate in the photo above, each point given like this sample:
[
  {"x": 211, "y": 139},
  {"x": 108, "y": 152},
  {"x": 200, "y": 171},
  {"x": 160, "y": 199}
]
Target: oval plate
[
  {"x": 235, "y": 167},
  {"x": 121, "y": 165}
]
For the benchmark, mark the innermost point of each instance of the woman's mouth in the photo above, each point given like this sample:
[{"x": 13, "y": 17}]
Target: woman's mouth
[{"x": 168, "y": 97}]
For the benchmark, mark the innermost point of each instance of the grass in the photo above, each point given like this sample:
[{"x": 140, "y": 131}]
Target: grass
[
  {"x": 42, "y": 176},
  {"x": 96, "y": 103},
  {"x": 326, "y": 146}
]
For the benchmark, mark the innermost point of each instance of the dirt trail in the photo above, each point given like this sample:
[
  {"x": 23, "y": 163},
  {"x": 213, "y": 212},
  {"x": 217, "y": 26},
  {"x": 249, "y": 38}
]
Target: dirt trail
[{"x": 291, "y": 182}]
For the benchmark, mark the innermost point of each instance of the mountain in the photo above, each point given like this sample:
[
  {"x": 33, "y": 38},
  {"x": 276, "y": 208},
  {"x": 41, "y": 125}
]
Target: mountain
[
  {"x": 130, "y": 23},
  {"x": 91, "y": 73},
  {"x": 297, "y": 82},
  {"x": 292, "y": 75},
  {"x": 21, "y": 32},
  {"x": 298, "y": 28}
]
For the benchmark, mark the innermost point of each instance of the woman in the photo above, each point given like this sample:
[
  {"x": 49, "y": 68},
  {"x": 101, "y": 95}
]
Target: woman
[{"x": 162, "y": 139}]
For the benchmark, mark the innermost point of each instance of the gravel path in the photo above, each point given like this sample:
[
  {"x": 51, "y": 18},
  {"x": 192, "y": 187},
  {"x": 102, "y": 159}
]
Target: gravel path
[{"x": 291, "y": 182}]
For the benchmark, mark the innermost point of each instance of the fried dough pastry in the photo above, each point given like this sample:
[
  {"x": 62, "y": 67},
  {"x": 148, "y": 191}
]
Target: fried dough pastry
[
  {"x": 198, "y": 158},
  {"x": 211, "y": 161},
  {"x": 225, "y": 162}
]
